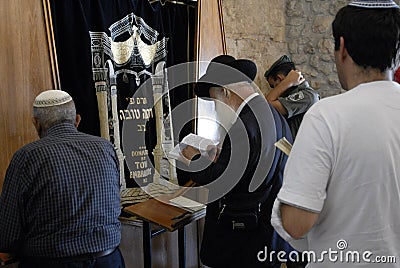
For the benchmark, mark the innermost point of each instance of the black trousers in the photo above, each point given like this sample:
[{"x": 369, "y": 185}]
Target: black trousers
[{"x": 113, "y": 260}]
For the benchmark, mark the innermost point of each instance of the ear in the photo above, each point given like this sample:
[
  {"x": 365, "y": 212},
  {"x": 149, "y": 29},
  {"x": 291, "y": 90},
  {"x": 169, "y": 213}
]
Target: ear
[
  {"x": 77, "y": 120},
  {"x": 343, "y": 54},
  {"x": 281, "y": 77},
  {"x": 35, "y": 122},
  {"x": 227, "y": 92}
]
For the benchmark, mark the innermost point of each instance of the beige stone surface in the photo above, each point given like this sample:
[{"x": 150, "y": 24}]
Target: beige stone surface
[
  {"x": 263, "y": 30},
  {"x": 255, "y": 29}
]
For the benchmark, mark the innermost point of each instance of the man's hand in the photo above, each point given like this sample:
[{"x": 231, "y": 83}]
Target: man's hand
[
  {"x": 212, "y": 152},
  {"x": 189, "y": 152},
  {"x": 294, "y": 78}
]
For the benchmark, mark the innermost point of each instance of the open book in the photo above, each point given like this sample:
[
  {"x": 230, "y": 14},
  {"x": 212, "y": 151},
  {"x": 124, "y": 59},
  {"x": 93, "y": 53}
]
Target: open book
[
  {"x": 284, "y": 145},
  {"x": 165, "y": 214},
  {"x": 193, "y": 140},
  {"x": 186, "y": 203}
]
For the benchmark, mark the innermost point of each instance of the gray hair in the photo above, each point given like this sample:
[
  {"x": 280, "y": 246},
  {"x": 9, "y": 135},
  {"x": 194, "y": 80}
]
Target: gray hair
[{"x": 53, "y": 115}]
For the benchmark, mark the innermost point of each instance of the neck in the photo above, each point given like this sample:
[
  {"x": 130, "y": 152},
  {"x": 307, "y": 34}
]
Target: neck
[
  {"x": 362, "y": 75},
  {"x": 238, "y": 100}
]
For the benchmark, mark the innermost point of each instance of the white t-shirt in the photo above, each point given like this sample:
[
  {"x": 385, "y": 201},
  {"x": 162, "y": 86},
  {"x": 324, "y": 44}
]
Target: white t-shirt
[{"x": 345, "y": 165}]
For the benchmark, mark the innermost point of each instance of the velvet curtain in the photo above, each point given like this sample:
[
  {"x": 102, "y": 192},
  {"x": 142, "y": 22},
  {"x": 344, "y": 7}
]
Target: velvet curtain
[{"x": 168, "y": 24}]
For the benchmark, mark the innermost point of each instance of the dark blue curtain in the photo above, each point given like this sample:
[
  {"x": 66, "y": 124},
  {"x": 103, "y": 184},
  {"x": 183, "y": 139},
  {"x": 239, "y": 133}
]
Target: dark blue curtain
[{"x": 72, "y": 22}]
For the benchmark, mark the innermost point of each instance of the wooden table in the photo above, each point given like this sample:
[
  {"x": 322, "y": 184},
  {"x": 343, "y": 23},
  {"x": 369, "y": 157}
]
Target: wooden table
[{"x": 168, "y": 218}]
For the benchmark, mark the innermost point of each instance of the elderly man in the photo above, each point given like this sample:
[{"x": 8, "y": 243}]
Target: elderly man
[
  {"x": 290, "y": 93},
  {"x": 245, "y": 174},
  {"x": 60, "y": 201},
  {"x": 341, "y": 188}
]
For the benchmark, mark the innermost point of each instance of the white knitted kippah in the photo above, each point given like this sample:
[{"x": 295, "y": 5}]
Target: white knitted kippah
[
  {"x": 374, "y": 3},
  {"x": 51, "y": 98}
]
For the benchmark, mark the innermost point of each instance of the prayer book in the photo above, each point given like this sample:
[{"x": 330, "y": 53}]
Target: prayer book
[
  {"x": 284, "y": 145},
  {"x": 187, "y": 204},
  {"x": 196, "y": 141}
]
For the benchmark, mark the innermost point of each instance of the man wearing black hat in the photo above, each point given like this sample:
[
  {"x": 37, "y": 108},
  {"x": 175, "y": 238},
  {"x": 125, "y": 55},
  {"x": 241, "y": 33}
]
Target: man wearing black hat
[
  {"x": 291, "y": 94},
  {"x": 242, "y": 173},
  {"x": 341, "y": 188}
]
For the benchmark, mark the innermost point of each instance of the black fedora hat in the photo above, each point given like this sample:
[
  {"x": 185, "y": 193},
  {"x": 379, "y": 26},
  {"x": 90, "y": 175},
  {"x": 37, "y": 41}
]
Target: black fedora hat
[{"x": 224, "y": 70}]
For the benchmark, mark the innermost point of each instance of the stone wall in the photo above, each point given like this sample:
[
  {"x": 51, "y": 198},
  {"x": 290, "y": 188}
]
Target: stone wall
[
  {"x": 263, "y": 30},
  {"x": 255, "y": 29}
]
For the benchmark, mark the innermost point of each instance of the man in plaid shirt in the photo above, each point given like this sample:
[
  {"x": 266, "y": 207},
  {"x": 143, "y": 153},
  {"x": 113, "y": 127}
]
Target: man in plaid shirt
[{"x": 60, "y": 201}]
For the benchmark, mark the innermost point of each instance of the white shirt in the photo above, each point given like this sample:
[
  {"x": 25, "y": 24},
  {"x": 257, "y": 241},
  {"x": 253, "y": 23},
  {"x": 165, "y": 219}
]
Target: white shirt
[{"x": 345, "y": 165}]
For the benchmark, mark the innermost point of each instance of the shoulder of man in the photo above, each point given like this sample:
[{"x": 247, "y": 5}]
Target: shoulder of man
[
  {"x": 257, "y": 107},
  {"x": 27, "y": 153},
  {"x": 101, "y": 142},
  {"x": 306, "y": 86},
  {"x": 303, "y": 92},
  {"x": 32, "y": 146}
]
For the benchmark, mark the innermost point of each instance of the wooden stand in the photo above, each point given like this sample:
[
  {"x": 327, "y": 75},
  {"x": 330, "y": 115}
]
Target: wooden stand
[{"x": 168, "y": 218}]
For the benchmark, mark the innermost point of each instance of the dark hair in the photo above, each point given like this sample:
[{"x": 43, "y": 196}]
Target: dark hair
[
  {"x": 283, "y": 68},
  {"x": 371, "y": 35}
]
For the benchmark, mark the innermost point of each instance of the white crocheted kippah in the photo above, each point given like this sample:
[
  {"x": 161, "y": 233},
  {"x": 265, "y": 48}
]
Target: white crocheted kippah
[
  {"x": 51, "y": 98},
  {"x": 374, "y": 3}
]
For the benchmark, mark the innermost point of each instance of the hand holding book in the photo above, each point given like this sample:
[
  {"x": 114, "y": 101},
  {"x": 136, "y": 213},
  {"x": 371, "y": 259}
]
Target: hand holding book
[
  {"x": 211, "y": 152},
  {"x": 193, "y": 145}
]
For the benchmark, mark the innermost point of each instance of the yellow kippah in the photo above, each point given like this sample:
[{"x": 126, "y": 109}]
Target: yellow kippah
[
  {"x": 52, "y": 98},
  {"x": 374, "y": 3}
]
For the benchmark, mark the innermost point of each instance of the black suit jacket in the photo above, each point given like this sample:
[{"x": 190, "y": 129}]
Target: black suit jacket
[{"x": 246, "y": 157}]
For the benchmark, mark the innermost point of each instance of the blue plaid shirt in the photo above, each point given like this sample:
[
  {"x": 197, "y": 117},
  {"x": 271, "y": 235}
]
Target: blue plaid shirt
[{"x": 61, "y": 196}]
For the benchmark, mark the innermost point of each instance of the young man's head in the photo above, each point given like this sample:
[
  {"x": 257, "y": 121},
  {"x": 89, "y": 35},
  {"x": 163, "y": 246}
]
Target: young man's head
[
  {"x": 279, "y": 70},
  {"x": 369, "y": 32},
  {"x": 53, "y": 107}
]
